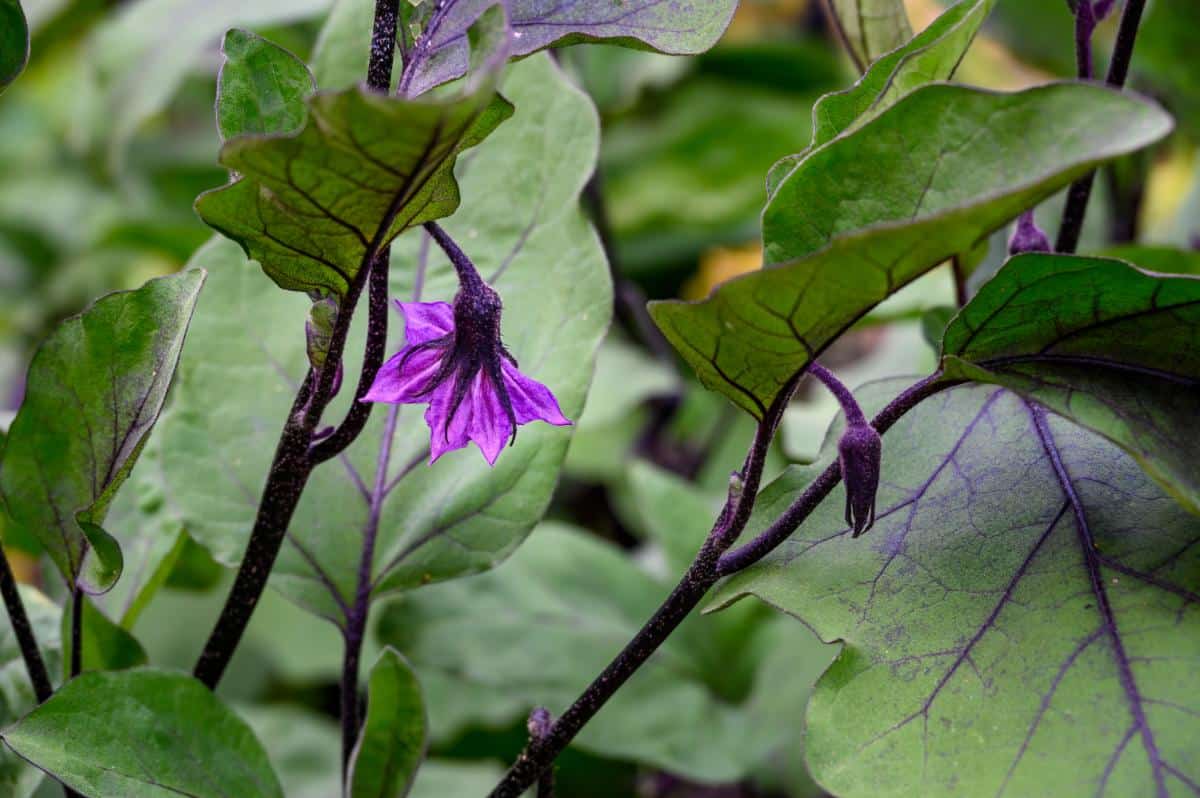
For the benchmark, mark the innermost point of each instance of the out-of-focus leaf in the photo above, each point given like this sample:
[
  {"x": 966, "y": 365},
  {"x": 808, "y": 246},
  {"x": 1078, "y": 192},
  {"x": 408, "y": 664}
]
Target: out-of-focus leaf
[
  {"x": 17, "y": 778},
  {"x": 521, "y": 224},
  {"x": 538, "y": 629},
  {"x": 1100, "y": 342},
  {"x": 1167, "y": 260},
  {"x": 144, "y": 733},
  {"x": 140, "y": 66},
  {"x": 1165, "y": 58},
  {"x": 95, "y": 389},
  {"x": 929, "y": 178},
  {"x": 261, "y": 87},
  {"x": 343, "y": 47},
  {"x": 1025, "y": 597},
  {"x": 871, "y": 28},
  {"x": 303, "y": 746},
  {"x": 14, "y": 41},
  {"x": 312, "y": 208},
  {"x": 106, "y": 646},
  {"x": 392, "y": 743}
]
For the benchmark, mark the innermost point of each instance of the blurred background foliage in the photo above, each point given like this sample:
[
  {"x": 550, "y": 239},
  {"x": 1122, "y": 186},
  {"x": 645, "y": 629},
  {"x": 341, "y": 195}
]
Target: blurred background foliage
[{"x": 109, "y": 136}]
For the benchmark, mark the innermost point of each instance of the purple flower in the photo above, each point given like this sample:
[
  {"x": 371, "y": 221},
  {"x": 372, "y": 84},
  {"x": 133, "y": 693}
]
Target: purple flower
[{"x": 454, "y": 361}]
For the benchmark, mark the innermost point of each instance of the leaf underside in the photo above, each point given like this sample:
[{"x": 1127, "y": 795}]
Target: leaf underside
[{"x": 1026, "y": 597}]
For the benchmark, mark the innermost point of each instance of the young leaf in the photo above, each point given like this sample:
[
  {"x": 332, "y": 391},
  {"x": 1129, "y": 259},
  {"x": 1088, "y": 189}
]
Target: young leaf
[
  {"x": 17, "y": 778},
  {"x": 146, "y": 734},
  {"x": 521, "y": 224},
  {"x": 261, "y": 87},
  {"x": 870, "y": 28},
  {"x": 315, "y": 207},
  {"x": 933, "y": 55},
  {"x": 879, "y": 206},
  {"x": 712, "y": 704},
  {"x": 1026, "y": 597},
  {"x": 14, "y": 41},
  {"x": 1099, "y": 341},
  {"x": 95, "y": 389},
  {"x": 393, "y": 739}
]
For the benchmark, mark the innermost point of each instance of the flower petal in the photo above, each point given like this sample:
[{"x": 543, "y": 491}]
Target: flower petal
[
  {"x": 424, "y": 321},
  {"x": 405, "y": 385},
  {"x": 531, "y": 401},
  {"x": 479, "y": 418}
]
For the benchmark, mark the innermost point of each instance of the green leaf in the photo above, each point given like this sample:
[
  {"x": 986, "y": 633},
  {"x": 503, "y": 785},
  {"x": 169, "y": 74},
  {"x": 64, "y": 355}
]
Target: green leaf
[
  {"x": 392, "y": 743},
  {"x": 106, "y": 646},
  {"x": 261, "y": 87},
  {"x": 1167, "y": 260},
  {"x": 17, "y": 778},
  {"x": 872, "y": 210},
  {"x": 95, "y": 389},
  {"x": 932, "y": 56},
  {"x": 1100, "y": 342},
  {"x": 143, "y": 734},
  {"x": 313, "y": 207},
  {"x": 14, "y": 41},
  {"x": 138, "y": 68},
  {"x": 870, "y": 28},
  {"x": 1021, "y": 620},
  {"x": 716, "y": 701},
  {"x": 303, "y": 746},
  {"x": 343, "y": 46},
  {"x": 521, "y": 224}
]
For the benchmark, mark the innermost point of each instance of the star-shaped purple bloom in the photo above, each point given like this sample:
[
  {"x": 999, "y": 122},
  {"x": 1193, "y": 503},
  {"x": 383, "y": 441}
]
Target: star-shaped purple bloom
[{"x": 453, "y": 360}]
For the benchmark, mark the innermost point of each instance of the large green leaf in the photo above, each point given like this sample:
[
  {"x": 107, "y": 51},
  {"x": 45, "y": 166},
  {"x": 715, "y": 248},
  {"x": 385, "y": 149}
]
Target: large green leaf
[
  {"x": 521, "y": 224},
  {"x": 870, "y": 211},
  {"x": 1022, "y": 619},
  {"x": 535, "y": 631},
  {"x": 139, "y": 68},
  {"x": 106, "y": 645},
  {"x": 1100, "y": 342},
  {"x": 143, "y": 734},
  {"x": 14, "y": 41},
  {"x": 871, "y": 28},
  {"x": 392, "y": 742},
  {"x": 18, "y": 779},
  {"x": 314, "y": 207},
  {"x": 261, "y": 87},
  {"x": 95, "y": 390}
]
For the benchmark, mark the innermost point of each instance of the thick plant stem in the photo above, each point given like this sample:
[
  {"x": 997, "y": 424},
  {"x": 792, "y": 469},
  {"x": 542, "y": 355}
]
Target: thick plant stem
[
  {"x": 708, "y": 567},
  {"x": 76, "y": 631},
  {"x": 293, "y": 464},
  {"x": 1080, "y": 192},
  {"x": 39, "y": 677},
  {"x": 468, "y": 275},
  {"x": 854, "y": 413}
]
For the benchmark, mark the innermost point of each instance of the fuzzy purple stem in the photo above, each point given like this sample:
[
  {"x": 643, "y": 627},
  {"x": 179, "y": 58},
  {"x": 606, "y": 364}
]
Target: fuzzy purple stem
[
  {"x": 1118, "y": 72},
  {"x": 709, "y": 566},
  {"x": 292, "y": 464},
  {"x": 468, "y": 275},
  {"x": 854, "y": 413}
]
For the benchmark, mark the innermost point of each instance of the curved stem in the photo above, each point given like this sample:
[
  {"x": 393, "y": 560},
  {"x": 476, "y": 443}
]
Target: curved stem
[
  {"x": 377, "y": 332},
  {"x": 708, "y": 567},
  {"x": 468, "y": 275},
  {"x": 854, "y": 413},
  {"x": 1118, "y": 72},
  {"x": 39, "y": 677}
]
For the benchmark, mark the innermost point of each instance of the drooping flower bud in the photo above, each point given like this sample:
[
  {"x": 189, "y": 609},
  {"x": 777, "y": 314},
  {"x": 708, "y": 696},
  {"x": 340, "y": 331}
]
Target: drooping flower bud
[
  {"x": 318, "y": 332},
  {"x": 1028, "y": 237},
  {"x": 860, "y": 453}
]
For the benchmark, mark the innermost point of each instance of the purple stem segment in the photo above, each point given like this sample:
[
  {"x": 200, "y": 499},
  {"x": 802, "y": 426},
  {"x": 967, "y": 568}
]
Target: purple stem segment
[
  {"x": 710, "y": 565},
  {"x": 1080, "y": 192},
  {"x": 293, "y": 464},
  {"x": 854, "y": 413},
  {"x": 39, "y": 677}
]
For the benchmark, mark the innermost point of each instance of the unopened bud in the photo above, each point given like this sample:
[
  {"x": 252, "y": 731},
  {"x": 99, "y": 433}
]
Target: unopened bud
[
  {"x": 1028, "y": 237},
  {"x": 860, "y": 452}
]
